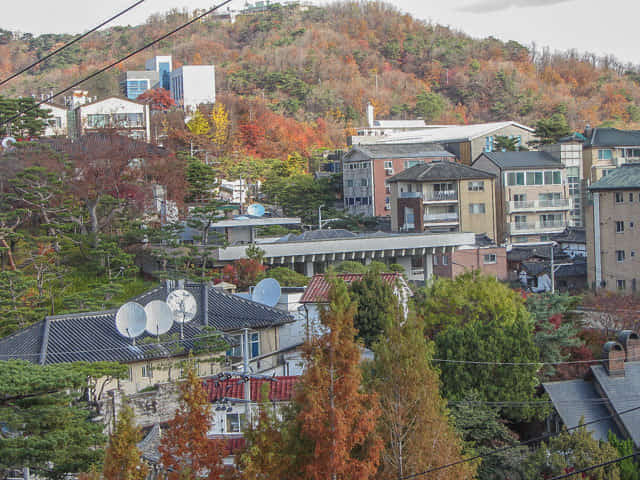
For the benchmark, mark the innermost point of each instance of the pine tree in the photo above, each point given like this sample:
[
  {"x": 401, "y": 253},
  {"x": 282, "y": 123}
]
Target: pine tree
[
  {"x": 186, "y": 451},
  {"x": 123, "y": 458},
  {"x": 376, "y": 305},
  {"x": 336, "y": 417},
  {"x": 414, "y": 423}
]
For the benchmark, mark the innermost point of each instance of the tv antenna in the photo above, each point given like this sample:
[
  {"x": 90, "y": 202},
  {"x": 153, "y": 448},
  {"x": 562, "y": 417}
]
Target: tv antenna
[
  {"x": 183, "y": 307},
  {"x": 267, "y": 292},
  {"x": 131, "y": 320},
  {"x": 159, "y": 318}
]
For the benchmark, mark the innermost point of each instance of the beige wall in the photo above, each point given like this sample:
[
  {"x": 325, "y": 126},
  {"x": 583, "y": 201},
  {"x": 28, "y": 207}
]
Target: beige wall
[
  {"x": 474, "y": 222},
  {"x": 592, "y": 167},
  {"x": 478, "y": 144}
]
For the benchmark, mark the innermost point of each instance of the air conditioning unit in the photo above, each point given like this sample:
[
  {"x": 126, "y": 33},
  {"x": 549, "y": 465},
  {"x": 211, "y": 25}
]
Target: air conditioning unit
[
  {"x": 387, "y": 207},
  {"x": 388, "y": 171}
]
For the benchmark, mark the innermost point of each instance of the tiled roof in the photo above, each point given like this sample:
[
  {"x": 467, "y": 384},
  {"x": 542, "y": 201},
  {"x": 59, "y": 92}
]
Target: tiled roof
[
  {"x": 327, "y": 234},
  {"x": 281, "y": 389},
  {"x": 571, "y": 235},
  {"x": 612, "y": 137},
  {"x": 93, "y": 336},
  {"x": 411, "y": 150},
  {"x": 577, "y": 267},
  {"x": 626, "y": 176},
  {"x": 522, "y": 160},
  {"x": 318, "y": 289},
  {"x": 436, "y": 171}
]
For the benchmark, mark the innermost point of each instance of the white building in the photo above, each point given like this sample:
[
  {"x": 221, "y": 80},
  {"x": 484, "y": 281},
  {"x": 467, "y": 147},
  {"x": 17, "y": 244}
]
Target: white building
[
  {"x": 126, "y": 116},
  {"x": 193, "y": 85},
  {"x": 57, "y": 123}
]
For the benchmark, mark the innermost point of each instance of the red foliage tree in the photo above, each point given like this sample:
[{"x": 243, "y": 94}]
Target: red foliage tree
[{"x": 158, "y": 99}]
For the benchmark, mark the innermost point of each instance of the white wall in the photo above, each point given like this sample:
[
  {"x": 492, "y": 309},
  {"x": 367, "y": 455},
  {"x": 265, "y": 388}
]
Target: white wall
[
  {"x": 56, "y": 113},
  {"x": 198, "y": 85}
]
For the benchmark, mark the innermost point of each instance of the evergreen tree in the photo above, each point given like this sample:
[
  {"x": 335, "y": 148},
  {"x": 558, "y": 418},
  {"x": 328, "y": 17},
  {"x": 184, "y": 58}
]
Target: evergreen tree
[
  {"x": 550, "y": 130},
  {"x": 376, "y": 306},
  {"x": 122, "y": 457}
]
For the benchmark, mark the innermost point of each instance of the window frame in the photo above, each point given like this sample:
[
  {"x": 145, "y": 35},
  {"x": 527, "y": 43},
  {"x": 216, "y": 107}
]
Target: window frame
[{"x": 489, "y": 259}]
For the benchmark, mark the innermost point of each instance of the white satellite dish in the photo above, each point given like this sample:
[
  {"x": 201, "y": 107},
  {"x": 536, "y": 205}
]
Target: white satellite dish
[
  {"x": 267, "y": 292},
  {"x": 7, "y": 142},
  {"x": 183, "y": 305},
  {"x": 159, "y": 317},
  {"x": 255, "y": 210},
  {"x": 131, "y": 320}
]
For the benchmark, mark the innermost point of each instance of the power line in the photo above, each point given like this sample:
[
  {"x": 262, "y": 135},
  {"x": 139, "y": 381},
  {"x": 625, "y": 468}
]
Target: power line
[
  {"x": 593, "y": 467},
  {"x": 113, "y": 64},
  {"x": 68, "y": 44},
  {"x": 511, "y": 447},
  {"x": 516, "y": 364}
]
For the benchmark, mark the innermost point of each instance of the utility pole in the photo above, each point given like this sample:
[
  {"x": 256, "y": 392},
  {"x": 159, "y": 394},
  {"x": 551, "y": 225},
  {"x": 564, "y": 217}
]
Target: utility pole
[
  {"x": 247, "y": 377},
  {"x": 553, "y": 273},
  {"x": 320, "y": 217}
]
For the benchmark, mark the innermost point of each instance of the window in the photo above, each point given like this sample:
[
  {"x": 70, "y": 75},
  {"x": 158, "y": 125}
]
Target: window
[
  {"x": 557, "y": 178},
  {"x": 621, "y": 284},
  {"x": 619, "y": 227},
  {"x": 350, "y": 182},
  {"x": 387, "y": 200},
  {"x": 387, "y": 188},
  {"x": 363, "y": 182},
  {"x": 235, "y": 422},
  {"x": 490, "y": 258},
  {"x": 254, "y": 345},
  {"x": 412, "y": 163},
  {"x": 476, "y": 186},
  {"x": 147, "y": 371},
  {"x": 388, "y": 164},
  {"x": 520, "y": 219},
  {"x": 445, "y": 260},
  {"x": 605, "y": 154},
  {"x": 620, "y": 256},
  {"x": 619, "y": 197},
  {"x": 97, "y": 121},
  {"x": 488, "y": 144},
  {"x": 631, "y": 197},
  {"x": 515, "y": 178},
  {"x": 435, "y": 260},
  {"x": 520, "y": 197},
  {"x": 476, "y": 208}
]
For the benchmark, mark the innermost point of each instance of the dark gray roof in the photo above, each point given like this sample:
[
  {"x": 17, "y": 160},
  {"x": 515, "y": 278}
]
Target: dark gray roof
[
  {"x": 626, "y": 176},
  {"x": 519, "y": 254},
  {"x": 612, "y": 137},
  {"x": 576, "y": 267},
  {"x": 397, "y": 150},
  {"x": 150, "y": 445},
  {"x": 571, "y": 235},
  {"x": 522, "y": 160},
  {"x": 93, "y": 336},
  {"x": 438, "y": 170},
  {"x": 575, "y": 400},
  {"x": 312, "y": 235}
]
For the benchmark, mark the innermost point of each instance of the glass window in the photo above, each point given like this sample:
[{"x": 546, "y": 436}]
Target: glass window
[
  {"x": 619, "y": 227},
  {"x": 619, "y": 197},
  {"x": 548, "y": 178},
  {"x": 511, "y": 178},
  {"x": 605, "y": 154},
  {"x": 254, "y": 345},
  {"x": 531, "y": 178},
  {"x": 490, "y": 258},
  {"x": 520, "y": 178},
  {"x": 538, "y": 178},
  {"x": 476, "y": 186},
  {"x": 412, "y": 163},
  {"x": 350, "y": 182},
  {"x": 445, "y": 260},
  {"x": 631, "y": 197},
  {"x": 147, "y": 371},
  {"x": 363, "y": 182},
  {"x": 620, "y": 256},
  {"x": 388, "y": 164},
  {"x": 557, "y": 177},
  {"x": 621, "y": 284},
  {"x": 97, "y": 121},
  {"x": 435, "y": 259},
  {"x": 235, "y": 422},
  {"x": 476, "y": 208}
]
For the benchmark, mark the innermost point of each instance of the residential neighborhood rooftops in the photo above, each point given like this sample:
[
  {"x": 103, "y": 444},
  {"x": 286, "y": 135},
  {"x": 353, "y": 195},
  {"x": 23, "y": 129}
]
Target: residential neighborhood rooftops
[
  {"x": 522, "y": 160},
  {"x": 626, "y": 176},
  {"x": 413, "y": 150},
  {"x": 435, "y": 171},
  {"x": 612, "y": 137},
  {"x": 451, "y": 133},
  {"x": 318, "y": 289}
]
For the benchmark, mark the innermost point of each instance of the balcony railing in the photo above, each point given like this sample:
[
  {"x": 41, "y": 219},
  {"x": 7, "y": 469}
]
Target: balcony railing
[
  {"x": 535, "y": 205},
  {"x": 440, "y": 217},
  {"x": 520, "y": 228},
  {"x": 441, "y": 196}
]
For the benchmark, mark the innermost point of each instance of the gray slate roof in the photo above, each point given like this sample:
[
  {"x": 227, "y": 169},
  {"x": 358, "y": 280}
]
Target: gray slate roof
[
  {"x": 313, "y": 235},
  {"x": 435, "y": 171},
  {"x": 571, "y": 235},
  {"x": 92, "y": 336},
  {"x": 612, "y": 137},
  {"x": 522, "y": 160},
  {"x": 626, "y": 176},
  {"x": 397, "y": 150},
  {"x": 575, "y": 400}
]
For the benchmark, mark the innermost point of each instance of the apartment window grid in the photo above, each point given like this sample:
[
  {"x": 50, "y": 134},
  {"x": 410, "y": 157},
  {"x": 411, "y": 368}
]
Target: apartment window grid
[
  {"x": 476, "y": 186},
  {"x": 619, "y": 226},
  {"x": 544, "y": 177},
  {"x": 620, "y": 256}
]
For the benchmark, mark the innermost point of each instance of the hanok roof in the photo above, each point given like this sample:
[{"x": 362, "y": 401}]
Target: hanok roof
[
  {"x": 318, "y": 289},
  {"x": 577, "y": 267},
  {"x": 522, "y": 160},
  {"x": 626, "y": 176},
  {"x": 612, "y": 137},
  {"x": 412, "y": 150},
  {"x": 281, "y": 389},
  {"x": 436, "y": 171},
  {"x": 571, "y": 235},
  {"x": 451, "y": 134},
  {"x": 92, "y": 336}
]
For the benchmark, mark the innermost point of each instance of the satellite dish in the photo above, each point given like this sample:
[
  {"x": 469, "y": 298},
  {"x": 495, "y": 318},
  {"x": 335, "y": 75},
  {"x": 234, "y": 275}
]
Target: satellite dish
[
  {"x": 131, "y": 320},
  {"x": 7, "y": 142},
  {"x": 267, "y": 292},
  {"x": 183, "y": 305},
  {"x": 255, "y": 210},
  {"x": 159, "y": 317}
]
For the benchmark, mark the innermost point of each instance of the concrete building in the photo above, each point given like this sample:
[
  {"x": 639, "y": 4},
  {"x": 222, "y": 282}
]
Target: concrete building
[
  {"x": 163, "y": 64},
  {"x": 466, "y": 142},
  {"x": 483, "y": 255},
  {"x": 608, "y": 148},
  {"x": 613, "y": 238},
  {"x": 127, "y": 117},
  {"x": 193, "y": 85},
  {"x": 135, "y": 82},
  {"x": 366, "y": 169},
  {"x": 532, "y": 195},
  {"x": 57, "y": 124},
  {"x": 443, "y": 196}
]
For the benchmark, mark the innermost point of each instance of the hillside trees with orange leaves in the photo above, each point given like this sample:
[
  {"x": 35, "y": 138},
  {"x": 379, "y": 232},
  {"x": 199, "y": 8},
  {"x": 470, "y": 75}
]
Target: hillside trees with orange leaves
[{"x": 123, "y": 459}]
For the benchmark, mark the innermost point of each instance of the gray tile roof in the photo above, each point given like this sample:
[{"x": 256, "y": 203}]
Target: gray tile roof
[
  {"x": 522, "y": 160},
  {"x": 435, "y": 171},
  {"x": 571, "y": 235},
  {"x": 93, "y": 336},
  {"x": 626, "y": 176},
  {"x": 575, "y": 400},
  {"x": 312, "y": 235},
  {"x": 612, "y": 137},
  {"x": 397, "y": 150},
  {"x": 150, "y": 445}
]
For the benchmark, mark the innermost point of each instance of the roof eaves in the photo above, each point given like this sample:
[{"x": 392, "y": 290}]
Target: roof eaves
[{"x": 45, "y": 341}]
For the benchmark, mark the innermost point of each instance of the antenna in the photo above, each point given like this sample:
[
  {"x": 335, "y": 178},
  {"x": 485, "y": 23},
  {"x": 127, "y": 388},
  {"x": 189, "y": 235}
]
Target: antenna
[
  {"x": 131, "y": 320},
  {"x": 255, "y": 210},
  {"x": 267, "y": 292},
  {"x": 183, "y": 307},
  {"x": 159, "y": 318}
]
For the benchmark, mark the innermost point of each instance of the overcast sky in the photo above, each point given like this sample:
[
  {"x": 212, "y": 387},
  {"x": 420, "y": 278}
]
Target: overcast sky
[{"x": 586, "y": 25}]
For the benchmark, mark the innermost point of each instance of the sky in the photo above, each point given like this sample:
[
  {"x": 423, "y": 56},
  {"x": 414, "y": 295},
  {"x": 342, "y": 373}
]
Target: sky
[{"x": 585, "y": 25}]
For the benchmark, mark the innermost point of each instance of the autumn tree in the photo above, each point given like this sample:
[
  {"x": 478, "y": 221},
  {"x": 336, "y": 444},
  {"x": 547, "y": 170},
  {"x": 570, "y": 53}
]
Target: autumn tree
[
  {"x": 186, "y": 451},
  {"x": 158, "y": 99},
  {"x": 414, "y": 423},
  {"x": 123, "y": 459},
  {"x": 336, "y": 417},
  {"x": 220, "y": 125}
]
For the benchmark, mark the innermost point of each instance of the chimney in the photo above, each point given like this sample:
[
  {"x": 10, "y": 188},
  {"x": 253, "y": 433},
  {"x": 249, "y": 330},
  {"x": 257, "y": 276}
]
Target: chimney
[
  {"x": 370, "y": 114},
  {"x": 204, "y": 303},
  {"x": 631, "y": 343},
  {"x": 588, "y": 131},
  {"x": 614, "y": 359}
]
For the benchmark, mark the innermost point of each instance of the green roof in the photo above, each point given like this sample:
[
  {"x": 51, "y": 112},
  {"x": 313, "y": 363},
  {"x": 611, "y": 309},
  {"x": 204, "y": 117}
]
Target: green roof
[{"x": 625, "y": 177}]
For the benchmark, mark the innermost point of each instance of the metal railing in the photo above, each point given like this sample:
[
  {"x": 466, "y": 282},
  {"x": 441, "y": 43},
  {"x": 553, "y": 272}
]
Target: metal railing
[
  {"x": 537, "y": 227},
  {"x": 529, "y": 205},
  {"x": 440, "y": 217},
  {"x": 443, "y": 195}
]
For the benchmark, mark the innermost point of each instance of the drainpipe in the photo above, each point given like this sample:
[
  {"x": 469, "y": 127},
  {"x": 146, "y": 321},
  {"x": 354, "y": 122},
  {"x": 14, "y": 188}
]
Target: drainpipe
[{"x": 596, "y": 235}]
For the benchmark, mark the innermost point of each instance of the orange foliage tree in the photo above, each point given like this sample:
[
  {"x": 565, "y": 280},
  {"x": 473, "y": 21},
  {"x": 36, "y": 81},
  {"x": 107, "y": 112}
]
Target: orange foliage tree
[
  {"x": 336, "y": 416},
  {"x": 186, "y": 451},
  {"x": 123, "y": 459}
]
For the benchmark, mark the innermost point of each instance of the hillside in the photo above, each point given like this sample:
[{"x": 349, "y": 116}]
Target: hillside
[{"x": 326, "y": 63}]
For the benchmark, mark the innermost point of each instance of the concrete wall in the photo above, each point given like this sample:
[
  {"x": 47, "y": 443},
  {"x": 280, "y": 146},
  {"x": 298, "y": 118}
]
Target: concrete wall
[
  {"x": 478, "y": 144},
  {"x": 485, "y": 165},
  {"x": 58, "y": 115},
  {"x": 112, "y": 106},
  {"x": 198, "y": 85},
  {"x": 478, "y": 222}
]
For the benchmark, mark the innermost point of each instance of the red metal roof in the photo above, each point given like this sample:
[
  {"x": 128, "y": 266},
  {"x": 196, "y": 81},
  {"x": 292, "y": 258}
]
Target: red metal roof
[
  {"x": 280, "y": 390},
  {"x": 318, "y": 289}
]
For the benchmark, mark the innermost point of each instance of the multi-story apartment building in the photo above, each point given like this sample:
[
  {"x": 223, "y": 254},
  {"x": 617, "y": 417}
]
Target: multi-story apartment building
[
  {"x": 532, "y": 195},
  {"x": 608, "y": 148},
  {"x": 366, "y": 169},
  {"x": 613, "y": 232},
  {"x": 443, "y": 196},
  {"x": 125, "y": 116}
]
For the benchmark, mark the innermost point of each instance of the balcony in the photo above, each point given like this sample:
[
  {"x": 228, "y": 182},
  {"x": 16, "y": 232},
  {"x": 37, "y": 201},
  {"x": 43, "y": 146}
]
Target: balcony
[
  {"x": 410, "y": 195},
  {"x": 440, "y": 217},
  {"x": 521, "y": 228},
  {"x": 559, "y": 204},
  {"x": 441, "y": 196}
]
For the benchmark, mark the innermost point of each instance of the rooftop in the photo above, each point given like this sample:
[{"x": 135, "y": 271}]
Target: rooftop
[
  {"x": 435, "y": 171},
  {"x": 412, "y": 150},
  {"x": 626, "y": 176},
  {"x": 318, "y": 289},
  {"x": 281, "y": 389},
  {"x": 451, "y": 133},
  {"x": 612, "y": 137},
  {"x": 522, "y": 160}
]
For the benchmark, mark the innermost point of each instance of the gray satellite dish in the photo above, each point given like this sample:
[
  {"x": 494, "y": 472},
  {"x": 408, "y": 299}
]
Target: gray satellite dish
[
  {"x": 159, "y": 317},
  {"x": 267, "y": 292},
  {"x": 131, "y": 320},
  {"x": 183, "y": 305},
  {"x": 255, "y": 210}
]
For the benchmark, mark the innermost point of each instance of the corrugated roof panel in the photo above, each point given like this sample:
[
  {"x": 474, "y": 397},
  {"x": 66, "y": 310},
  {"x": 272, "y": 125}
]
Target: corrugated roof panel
[{"x": 318, "y": 289}]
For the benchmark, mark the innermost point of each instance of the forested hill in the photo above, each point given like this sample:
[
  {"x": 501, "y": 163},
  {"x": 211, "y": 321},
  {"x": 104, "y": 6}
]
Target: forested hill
[{"x": 312, "y": 62}]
